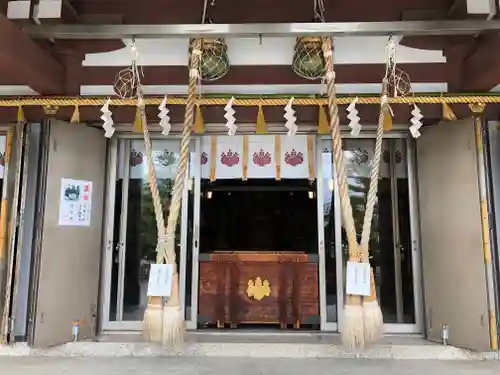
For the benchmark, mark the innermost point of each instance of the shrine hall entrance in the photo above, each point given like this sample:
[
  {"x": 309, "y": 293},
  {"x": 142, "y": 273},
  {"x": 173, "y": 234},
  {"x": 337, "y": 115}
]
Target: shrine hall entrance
[
  {"x": 260, "y": 240},
  {"x": 258, "y": 261}
]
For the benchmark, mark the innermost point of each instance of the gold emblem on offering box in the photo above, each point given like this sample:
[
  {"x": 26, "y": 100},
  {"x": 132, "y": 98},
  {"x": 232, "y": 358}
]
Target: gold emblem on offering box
[{"x": 258, "y": 289}]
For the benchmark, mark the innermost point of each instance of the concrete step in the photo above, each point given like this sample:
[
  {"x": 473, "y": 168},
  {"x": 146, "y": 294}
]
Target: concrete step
[{"x": 256, "y": 345}]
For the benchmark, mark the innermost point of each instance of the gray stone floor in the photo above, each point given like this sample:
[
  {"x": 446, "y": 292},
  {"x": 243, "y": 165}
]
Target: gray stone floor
[{"x": 236, "y": 366}]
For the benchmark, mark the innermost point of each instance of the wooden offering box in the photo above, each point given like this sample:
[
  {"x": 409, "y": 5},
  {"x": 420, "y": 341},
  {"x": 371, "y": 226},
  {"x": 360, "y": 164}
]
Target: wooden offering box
[{"x": 243, "y": 287}]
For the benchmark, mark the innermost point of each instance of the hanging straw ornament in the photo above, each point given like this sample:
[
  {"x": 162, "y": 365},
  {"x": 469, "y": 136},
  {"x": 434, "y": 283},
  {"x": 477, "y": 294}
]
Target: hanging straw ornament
[
  {"x": 138, "y": 124},
  {"x": 308, "y": 60},
  {"x": 214, "y": 59},
  {"x": 388, "y": 119},
  {"x": 416, "y": 121},
  {"x": 352, "y": 115},
  {"x": 448, "y": 113},
  {"x": 106, "y": 117},
  {"x": 199, "y": 122},
  {"x": 75, "y": 117},
  {"x": 21, "y": 119},
  {"x": 398, "y": 81},
  {"x": 323, "y": 127},
  {"x": 261, "y": 126},
  {"x": 126, "y": 82},
  {"x": 230, "y": 119},
  {"x": 290, "y": 118},
  {"x": 164, "y": 117}
]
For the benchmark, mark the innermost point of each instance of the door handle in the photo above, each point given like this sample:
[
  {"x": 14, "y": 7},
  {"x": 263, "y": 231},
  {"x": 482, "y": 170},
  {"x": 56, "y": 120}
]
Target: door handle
[
  {"x": 196, "y": 236},
  {"x": 116, "y": 253},
  {"x": 401, "y": 250}
]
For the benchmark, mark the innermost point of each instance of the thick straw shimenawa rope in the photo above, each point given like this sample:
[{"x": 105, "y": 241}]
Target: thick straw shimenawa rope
[
  {"x": 352, "y": 327},
  {"x": 373, "y": 319},
  {"x": 153, "y": 316},
  {"x": 173, "y": 320},
  {"x": 248, "y": 102}
]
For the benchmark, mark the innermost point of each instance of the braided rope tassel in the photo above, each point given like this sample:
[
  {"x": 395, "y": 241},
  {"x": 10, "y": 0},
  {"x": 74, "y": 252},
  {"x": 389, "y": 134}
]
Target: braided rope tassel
[
  {"x": 374, "y": 174},
  {"x": 173, "y": 315},
  {"x": 372, "y": 315},
  {"x": 337, "y": 148},
  {"x": 153, "y": 184},
  {"x": 153, "y": 319},
  {"x": 352, "y": 330},
  {"x": 180, "y": 177}
]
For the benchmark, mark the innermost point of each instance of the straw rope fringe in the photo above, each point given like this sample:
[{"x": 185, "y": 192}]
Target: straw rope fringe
[
  {"x": 375, "y": 170},
  {"x": 245, "y": 102},
  {"x": 353, "y": 331},
  {"x": 178, "y": 187},
  {"x": 173, "y": 317},
  {"x": 152, "y": 324},
  {"x": 372, "y": 315}
]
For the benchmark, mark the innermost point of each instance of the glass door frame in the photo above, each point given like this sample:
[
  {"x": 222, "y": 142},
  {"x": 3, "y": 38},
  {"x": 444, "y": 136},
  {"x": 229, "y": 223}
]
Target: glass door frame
[
  {"x": 106, "y": 324},
  {"x": 325, "y": 325},
  {"x": 397, "y": 328},
  {"x": 192, "y": 322}
]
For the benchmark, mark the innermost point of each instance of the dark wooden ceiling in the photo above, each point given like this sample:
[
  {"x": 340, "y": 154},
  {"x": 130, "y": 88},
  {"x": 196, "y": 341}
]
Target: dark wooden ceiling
[
  {"x": 55, "y": 68},
  {"x": 230, "y": 11}
]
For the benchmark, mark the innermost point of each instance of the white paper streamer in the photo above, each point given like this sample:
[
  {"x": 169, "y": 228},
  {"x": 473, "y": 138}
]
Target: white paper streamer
[
  {"x": 164, "y": 117},
  {"x": 108, "y": 124},
  {"x": 290, "y": 118},
  {"x": 230, "y": 119},
  {"x": 416, "y": 121},
  {"x": 354, "y": 118}
]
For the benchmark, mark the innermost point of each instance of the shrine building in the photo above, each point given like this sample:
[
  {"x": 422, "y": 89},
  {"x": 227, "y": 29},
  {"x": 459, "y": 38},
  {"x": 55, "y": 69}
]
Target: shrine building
[{"x": 260, "y": 244}]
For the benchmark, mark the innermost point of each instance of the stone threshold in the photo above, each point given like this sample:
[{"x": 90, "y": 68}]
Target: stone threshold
[{"x": 248, "y": 349}]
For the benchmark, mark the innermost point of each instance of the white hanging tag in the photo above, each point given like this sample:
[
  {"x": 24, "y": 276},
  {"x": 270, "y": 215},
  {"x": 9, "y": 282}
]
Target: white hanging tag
[
  {"x": 414, "y": 132},
  {"x": 229, "y": 116},
  {"x": 106, "y": 117},
  {"x": 290, "y": 118},
  {"x": 358, "y": 279},
  {"x": 164, "y": 117},
  {"x": 416, "y": 121},
  {"x": 160, "y": 280},
  {"x": 355, "y": 130},
  {"x": 352, "y": 115}
]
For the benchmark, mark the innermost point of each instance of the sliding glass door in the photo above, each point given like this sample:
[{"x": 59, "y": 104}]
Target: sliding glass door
[
  {"x": 131, "y": 228},
  {"x": 393, "y": 253}
]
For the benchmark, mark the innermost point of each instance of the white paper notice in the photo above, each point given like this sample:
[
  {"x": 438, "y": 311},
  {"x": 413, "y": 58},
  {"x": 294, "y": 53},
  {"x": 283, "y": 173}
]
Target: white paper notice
[
  {"x": 358, "y": 279},
  {"x": 160, "y": 280},
  {"x": 75, "y": 203}
]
